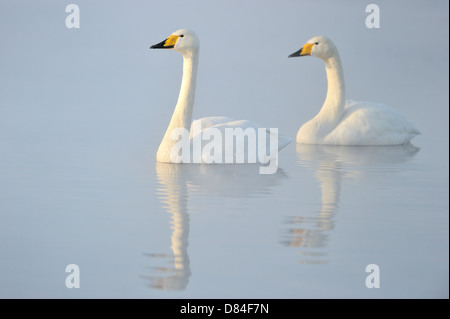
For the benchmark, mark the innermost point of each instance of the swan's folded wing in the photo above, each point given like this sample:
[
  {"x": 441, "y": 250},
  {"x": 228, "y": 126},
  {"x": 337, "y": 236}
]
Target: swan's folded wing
[
  {"x": 207, "y": 122},
  {"x": 223, "y": 122},
  {"x": 369, "y": 123}
]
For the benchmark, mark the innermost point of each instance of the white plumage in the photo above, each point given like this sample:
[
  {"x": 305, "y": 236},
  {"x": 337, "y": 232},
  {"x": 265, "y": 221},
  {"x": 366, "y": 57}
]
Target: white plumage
[
  {"x": 187, "y": 43},
  {"x": 342, "y": 122}
]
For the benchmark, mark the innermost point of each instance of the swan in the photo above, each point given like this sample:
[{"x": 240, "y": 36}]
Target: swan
[
  {"x": 341, "y": 122},
  {"x": 187, "y": 43}
]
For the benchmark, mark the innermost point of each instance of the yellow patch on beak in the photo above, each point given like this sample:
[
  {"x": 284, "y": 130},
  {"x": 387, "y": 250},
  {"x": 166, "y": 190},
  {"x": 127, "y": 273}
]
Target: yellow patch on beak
[
  {"x": 171, "y": 40},
  {"x": 306, "y": 50}
]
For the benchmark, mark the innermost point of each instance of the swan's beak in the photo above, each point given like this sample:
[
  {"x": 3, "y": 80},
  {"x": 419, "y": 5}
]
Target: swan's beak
[
  {"x": 168, "y": 43},
  {"x": 305, "y": 50}
]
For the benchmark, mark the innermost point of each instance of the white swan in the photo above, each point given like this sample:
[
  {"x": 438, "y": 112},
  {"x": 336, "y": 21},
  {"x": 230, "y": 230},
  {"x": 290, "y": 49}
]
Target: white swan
[
  {"x": 187, "y": 43},
  {"x": 341, "y": 122}
]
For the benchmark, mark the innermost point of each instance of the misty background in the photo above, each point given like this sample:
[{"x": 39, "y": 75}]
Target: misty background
[{"x": 82, "y": 113}]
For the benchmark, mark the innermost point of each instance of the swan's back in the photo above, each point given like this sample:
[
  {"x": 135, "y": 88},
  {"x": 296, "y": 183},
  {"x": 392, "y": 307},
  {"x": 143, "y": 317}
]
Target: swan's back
[
  {"x": 368, "y": 123},
  {"x": 244, "y": 128}
]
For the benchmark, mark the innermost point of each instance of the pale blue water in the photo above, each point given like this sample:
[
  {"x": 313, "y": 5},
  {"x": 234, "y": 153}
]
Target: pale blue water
[{"x": 82, "y": 113}]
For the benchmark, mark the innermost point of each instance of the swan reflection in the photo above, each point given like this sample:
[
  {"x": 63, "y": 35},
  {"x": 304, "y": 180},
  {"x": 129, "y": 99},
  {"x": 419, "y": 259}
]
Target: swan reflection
[
  {"x": 310, "y": 231},
  {"x": 178, "y": 183}
]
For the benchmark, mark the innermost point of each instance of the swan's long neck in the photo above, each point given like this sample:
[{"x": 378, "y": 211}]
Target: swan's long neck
[
  {"x": 333, "y": 107},
  {"x": 182, "y": 115}
]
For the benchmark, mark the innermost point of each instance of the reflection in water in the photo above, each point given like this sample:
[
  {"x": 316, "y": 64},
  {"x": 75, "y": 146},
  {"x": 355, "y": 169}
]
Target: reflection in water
[
  {"x": 310, "y": 231},
  {"x": 174, "y": 198},
  {"x": 177, "y": 183},
  {"x": 331, "y": 164}
]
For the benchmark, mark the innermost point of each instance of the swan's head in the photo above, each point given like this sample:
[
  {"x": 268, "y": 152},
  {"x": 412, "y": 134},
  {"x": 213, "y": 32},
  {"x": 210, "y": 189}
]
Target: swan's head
[
  {"x": 183, "y": 40},
  {"x": 320, "y": 47}
]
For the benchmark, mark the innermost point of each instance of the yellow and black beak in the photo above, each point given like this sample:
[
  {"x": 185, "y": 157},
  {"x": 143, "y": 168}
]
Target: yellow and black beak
[
  {"x": 168, "y": 43},
  {"x": 305, "y": 50}
]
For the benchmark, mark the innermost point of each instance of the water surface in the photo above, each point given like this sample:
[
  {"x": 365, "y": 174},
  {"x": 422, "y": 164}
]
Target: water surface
[{"x": 82, "y": 113}]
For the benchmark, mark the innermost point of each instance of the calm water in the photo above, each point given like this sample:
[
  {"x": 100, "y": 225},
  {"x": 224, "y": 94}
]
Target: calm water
[
  {"x": 81, "y": 119},
  {"x": 146, "y": 230}
]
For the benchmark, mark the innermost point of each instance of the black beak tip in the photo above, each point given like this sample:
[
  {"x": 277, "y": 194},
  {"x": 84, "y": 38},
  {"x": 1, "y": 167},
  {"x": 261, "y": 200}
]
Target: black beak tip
[
  {"x": 295, "y": 54},
  {"x": 160, "y": 45}
]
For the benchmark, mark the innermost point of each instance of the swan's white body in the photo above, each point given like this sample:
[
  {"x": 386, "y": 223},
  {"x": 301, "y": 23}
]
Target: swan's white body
[
  {"x": 187, "y": 43},
  {"x": 341, "y": 122}
]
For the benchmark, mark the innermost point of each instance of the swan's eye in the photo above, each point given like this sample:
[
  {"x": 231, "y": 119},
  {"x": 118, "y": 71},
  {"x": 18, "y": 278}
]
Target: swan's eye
[
  {"x": 182, "y": 35},
  {"x": 317, "y": 43}
]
